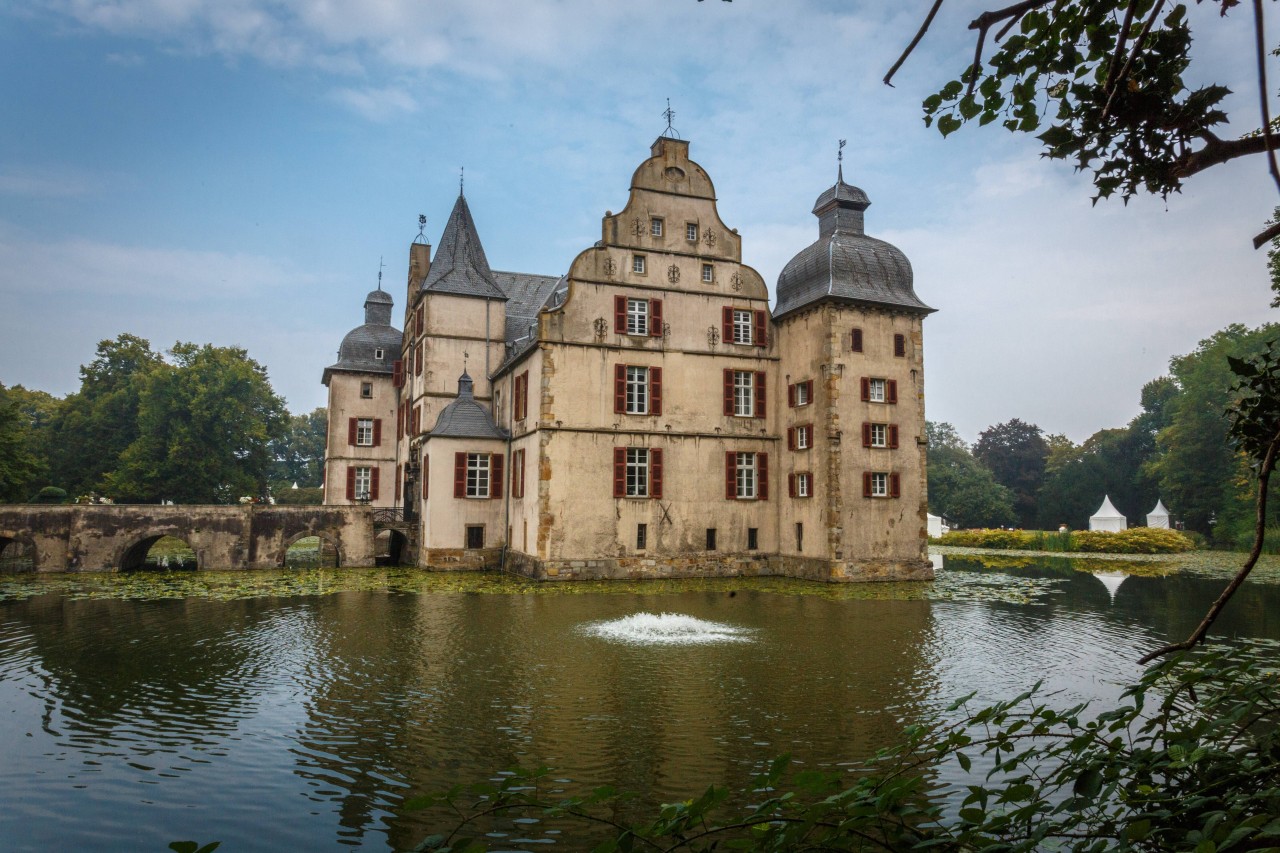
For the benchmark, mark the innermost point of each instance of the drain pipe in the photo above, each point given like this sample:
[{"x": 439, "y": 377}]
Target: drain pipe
[{"x": 506, "y": 504}]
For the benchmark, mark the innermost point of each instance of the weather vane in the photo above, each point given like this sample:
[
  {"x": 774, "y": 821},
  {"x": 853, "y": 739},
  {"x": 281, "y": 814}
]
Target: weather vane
[
  {"x": 465, "y": 355},
  {"x": 840, "y": 161},
  {"x": 670, "y": 114},
  {"x": 462, "y": 174},
  {"x": 422, "y": 226},
  {"x": 380, "y": 266}
]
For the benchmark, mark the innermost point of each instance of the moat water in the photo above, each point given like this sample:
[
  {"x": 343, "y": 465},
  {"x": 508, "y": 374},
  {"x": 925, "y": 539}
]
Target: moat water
[{"x": 298, "y": 710}]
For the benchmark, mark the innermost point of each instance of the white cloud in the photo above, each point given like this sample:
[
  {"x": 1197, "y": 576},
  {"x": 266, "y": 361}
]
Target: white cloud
[
  {"x": 41, "y": 182},
  {"x": 376, "y": 104}
]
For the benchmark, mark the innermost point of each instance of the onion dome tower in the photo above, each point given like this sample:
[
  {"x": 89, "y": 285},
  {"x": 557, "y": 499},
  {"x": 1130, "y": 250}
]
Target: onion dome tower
[{"x": 372, "y": 347}]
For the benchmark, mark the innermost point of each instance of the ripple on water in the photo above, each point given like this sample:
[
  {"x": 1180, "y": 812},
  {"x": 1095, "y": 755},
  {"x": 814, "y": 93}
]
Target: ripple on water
[{"x": 666, "y": 629}]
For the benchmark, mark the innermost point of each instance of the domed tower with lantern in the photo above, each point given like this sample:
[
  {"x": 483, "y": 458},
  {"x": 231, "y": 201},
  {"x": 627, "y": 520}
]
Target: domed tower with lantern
[{"x": 849, "y": 330}]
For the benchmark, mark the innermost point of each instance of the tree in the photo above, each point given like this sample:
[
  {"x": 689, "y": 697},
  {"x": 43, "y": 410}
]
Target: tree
[
  {"x": 19, "y": 467},
  {"x": 299, "y": 454},
  {"x": 93, "y": 427},
  {"x": 960, "y": 488},
  {"x": 206, "y": 424},
  {"x": 1015, "y": 453},
  {"x": 1107, "y": 77}
]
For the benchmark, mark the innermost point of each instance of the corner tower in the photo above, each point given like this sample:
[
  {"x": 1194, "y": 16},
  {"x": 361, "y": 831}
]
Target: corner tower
[{"x": 850, "y": 337}]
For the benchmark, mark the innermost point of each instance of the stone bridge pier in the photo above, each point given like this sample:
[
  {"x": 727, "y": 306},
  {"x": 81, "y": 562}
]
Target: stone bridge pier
[{"x": 113, "y": 538}]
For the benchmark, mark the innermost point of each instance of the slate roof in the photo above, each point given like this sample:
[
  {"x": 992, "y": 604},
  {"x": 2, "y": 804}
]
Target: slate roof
[
  {"x": 358, "y": 351},
  {"x": 526, "y": 294},
  {"x": 464, "y": 417},
  {"x": 460, "y": 266},
  {"x": 547, "y": 293},
  {"x": 844, "y": 264}
]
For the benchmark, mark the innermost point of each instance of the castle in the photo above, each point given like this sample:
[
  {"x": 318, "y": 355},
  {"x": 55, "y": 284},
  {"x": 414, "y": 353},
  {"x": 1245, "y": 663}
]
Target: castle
[{"x": 645, "y": 414}]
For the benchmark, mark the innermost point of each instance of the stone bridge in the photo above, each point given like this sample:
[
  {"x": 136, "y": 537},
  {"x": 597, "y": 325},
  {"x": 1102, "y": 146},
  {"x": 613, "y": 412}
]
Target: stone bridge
[{"x": 114, "y": 538}]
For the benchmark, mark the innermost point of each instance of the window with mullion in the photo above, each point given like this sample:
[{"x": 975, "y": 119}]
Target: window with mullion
[
  {"x": 637, "y": 472},
  {"x": 746, "y": 476},
  {"x": 744, "y": 394},
  {"x": 364, "y": 483},
  {"x": 878, "y": 391},
  {"x": 364, "y": 432},
  {"x": 879, "y": 484},
  {"x": 637, "y": 390},
  {"x": 637, "y": 316},
  {"x": 743, "y": 327},
  {"x": 879, "y": 435},
  {"x": 477, "y": 475}
]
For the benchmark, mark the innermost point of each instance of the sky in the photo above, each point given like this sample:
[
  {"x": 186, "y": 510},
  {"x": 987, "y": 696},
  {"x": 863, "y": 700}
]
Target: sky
[{"x": 236, "y": 171}]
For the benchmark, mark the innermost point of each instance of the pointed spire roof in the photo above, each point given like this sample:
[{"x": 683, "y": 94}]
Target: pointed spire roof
[{"x": 460, "y": 266}]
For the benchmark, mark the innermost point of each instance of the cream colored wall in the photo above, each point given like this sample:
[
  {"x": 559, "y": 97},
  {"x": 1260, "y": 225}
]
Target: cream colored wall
[
  {"x": 345, "y": 402},
  {"x": 805, "y": 342},
  {"x": 444, "y": 517}
]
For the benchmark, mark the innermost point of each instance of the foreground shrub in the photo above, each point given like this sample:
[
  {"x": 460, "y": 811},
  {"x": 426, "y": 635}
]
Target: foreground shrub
[{"x": 1188, "y": 760}]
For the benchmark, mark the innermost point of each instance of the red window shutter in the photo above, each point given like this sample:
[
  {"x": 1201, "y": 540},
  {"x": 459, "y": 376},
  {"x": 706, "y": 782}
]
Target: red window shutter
[
  {"x": 791, "y": 438},
  {"x": 619, "y": 472},
  {"x": 762, "y": 476},
  {"x": 655, "y": 318},
  {"x": 351, "y": 483},
  {"x": 856, "y": 342},
  {"x": 866, "y": 434},
  {"x": 899, "y": 345},
  {"x": 620, "y": 314},
  {"x": 791, "y": 396},
  {"x": 760, "y": 394},
  {"x": 495, "y": 475},
  {"x": 459, "y": 475},
  {"x": 351, "y": 431},
  {"x": 808, "y": 387},
  {"x": 866, "y": 389},
  {"x": 655, "y": 390},
  {"x": 730, "y": 475},
  {"x": 377, "y": 432},
  {"x": 728, "y": 391},
  {"x": 655, "y": 473},
  {"x": 895, "y": 486},
  {"x": 397, "y": 373},
  {"x": 892, "y": 391},
  {"x": 398, "y": 475},
  {"x": 522, "y": 396},
  {"x": 619, "y": 387},
  {"x": 791, "y": 485},
  {"x": 417, "y": 360},
  {"x": 426, "y": 470},
  {"x": 420, "y": 325},
  {"x": 893, "y": 436},
  {"x": 726, "y": 317},
  {"x": 517, "y": 477},
  {"x": 759, "y": 331},
  {"x": 866, "y": 484},
  {"x": 373, "y": 483},
  {"x": 417, "y": 419},
  {"x": 400, "y": 421}
]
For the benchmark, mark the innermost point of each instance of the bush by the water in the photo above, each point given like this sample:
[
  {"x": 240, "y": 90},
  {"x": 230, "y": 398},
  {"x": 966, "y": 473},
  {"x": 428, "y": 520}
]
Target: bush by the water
[{"x": 1135, "y": 540}]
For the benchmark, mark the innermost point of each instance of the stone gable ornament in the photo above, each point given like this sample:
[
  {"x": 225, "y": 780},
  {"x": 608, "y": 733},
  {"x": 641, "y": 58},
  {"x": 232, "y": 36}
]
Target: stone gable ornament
[
  {"x": 709, "y": 237},
  {"x": 673, "y": 274},
  {"x": 610, "y": 267},
  {"x": 736, "y": 281},
  {"x": 637, "y": 227}
]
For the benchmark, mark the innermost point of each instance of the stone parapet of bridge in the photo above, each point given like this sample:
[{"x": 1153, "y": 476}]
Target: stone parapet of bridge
[{"x": 111, "y": 538}]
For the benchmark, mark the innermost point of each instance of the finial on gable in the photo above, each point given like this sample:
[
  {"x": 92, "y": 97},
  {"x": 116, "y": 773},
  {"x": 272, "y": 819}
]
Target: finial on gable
[
  {"x": 840, "y": 162},
  {"x": 669, "y": 114}
]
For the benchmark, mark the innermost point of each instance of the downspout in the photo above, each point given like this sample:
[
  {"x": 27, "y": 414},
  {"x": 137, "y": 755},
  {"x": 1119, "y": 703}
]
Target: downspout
[{"x": 506, "y": 508}]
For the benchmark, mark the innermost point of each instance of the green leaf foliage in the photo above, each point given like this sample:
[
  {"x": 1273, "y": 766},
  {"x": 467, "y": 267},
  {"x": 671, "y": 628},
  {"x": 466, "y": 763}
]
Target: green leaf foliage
[
  {"x": 1015, "y": 452},
  {"x": 960, "y": 488}
]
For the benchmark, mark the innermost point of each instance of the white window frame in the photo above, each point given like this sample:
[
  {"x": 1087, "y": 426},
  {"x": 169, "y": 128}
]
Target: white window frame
[
  {"x": 879, "y": 435},
  {"x": 804, "y": 440},
  {"x": 366, "y": 390},
  {"x": 691, "y": 232},
  {"x": 744, "y": 322},
  {"x": 637, "y": 484},
  {"x": 637, "y": 264},
  {"x": 363, "y": 483},
  {"x": 364, "y": 432},
  {"x": 803, "y": 485},
  {"x": 879, "y": 484},
  {"x": 802, "y": 394},
  {"x": 746, "y": 483},
  {"x": 379, "y": 353},
  {"x": 478, "y": 475},
  {"x": 637, "y": 390},
  {"x": 877, "y": 390},
  {"x": 637, "y": 316},
  {"x": 655, "y": 226},
  {"x": 744, "y": 394},
  {"x": 708, "y": 273}
]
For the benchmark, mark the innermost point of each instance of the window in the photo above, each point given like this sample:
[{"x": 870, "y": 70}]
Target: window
[
  {"x": 642, "y": 536},
  {"x": 744, "y": 393},
  {"x": 637, "y": 390},
  {"x": 475, "y": 536},
  {"x": 637, "y": 264},
  {"x": 477, "y": 475},
  {"x": 900, "y": 345},
  {"x": 633, "y": 316},
  {"x": 742, "y": 326},
  {"x": 691, "y": 232},
  {"x": 655, "y": 227},
  {"x": 366, "y": 390},
  {"x": 378, "y": 353},
  {"x": 711, "y": 538},
  {"x": 708, "y": 272},
  {"x": 746, "y": 476},
  {"x": 800, "y": 394},
  {"x": 363, "y": 484},
  {"x": 637, "y": 472},
  {"x": 880, "y": 435},
  {"x": 517, "y": 474},
  {"x": 364, "y": 432},
  {"x": 800, "y": 437},
  {"x": 855, "y": 340},
  {"x": 799, "y": 536},
  {"x": 520, "y": 398},
  {"x": 753, "y": 538},
  {"x": 879, "y": 390},
  {"x": 880, "y": 484},
  {"x": 801, "y": 485}
]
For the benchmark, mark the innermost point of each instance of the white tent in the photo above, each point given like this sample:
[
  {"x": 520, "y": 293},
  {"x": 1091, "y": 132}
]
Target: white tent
[
  {"x": 1107, "y": 518},
  {"x": 936, "y": 526},
  {"x": 1158, "y": 517}
]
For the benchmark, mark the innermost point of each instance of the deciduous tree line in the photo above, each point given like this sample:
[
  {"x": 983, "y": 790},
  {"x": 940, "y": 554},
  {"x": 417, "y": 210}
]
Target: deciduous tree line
[
  {"x": 1176, "y": 450},
  {"x": 198, "y": 424}
]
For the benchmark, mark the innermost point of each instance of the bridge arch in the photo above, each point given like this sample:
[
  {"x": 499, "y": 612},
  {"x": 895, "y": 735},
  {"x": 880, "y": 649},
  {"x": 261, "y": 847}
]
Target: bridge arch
[
  {"x": 133, "y": 557},
  {"x": 325, "y": 539},
  {"x": 17, "y": 553}
]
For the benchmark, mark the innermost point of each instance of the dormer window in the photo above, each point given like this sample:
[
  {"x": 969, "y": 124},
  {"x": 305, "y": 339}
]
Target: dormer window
[{"x": 378, "y": 353}]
